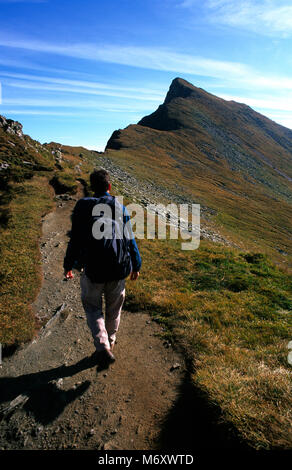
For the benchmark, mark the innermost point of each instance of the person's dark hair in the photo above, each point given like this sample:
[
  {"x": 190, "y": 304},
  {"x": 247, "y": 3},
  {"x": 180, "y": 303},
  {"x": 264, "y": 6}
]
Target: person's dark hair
[{"x": 99, "y": 180}]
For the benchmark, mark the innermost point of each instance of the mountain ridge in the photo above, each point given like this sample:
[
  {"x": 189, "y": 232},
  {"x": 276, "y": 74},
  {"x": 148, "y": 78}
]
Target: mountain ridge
[
  {"x": 227, "y": 309},
  {"x": 224, "y": 155}
]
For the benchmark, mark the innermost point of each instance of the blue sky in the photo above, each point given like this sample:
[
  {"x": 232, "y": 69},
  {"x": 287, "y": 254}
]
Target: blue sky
[{"x": 74, "y": 71}]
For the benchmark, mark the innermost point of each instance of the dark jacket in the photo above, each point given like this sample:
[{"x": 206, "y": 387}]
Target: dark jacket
[{"x": 103, "y": 260}]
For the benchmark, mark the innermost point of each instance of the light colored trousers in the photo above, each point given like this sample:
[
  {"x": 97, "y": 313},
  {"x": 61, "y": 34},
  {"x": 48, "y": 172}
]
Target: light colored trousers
[{"x": 103, "y": 329}]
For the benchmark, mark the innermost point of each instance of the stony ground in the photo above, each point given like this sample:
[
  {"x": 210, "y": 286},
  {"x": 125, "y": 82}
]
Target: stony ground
[
  {"x": 54, "y": 397},
  {"x": 146, "y": 193}
]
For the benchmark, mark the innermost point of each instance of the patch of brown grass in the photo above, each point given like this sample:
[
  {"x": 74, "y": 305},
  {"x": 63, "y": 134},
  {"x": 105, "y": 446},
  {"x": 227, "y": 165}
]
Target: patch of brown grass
[
  {"x": 20, "y": 268},
  {"x": 231, "y": 313}
]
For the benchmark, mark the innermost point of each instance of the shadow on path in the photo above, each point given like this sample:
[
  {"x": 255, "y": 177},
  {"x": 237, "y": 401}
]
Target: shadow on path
[
  {"x": 38, "y": 394},
  {"x": 195, "y": 424}
]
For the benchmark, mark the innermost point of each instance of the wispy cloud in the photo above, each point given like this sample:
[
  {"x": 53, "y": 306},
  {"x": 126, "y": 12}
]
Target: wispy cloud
[
  {"x": 276, "y": 108},
  {"x": 154, "y": 58},
  {"x": 265, "y": 103},
  {"x": 40, "y": 112},
  {"x": 23, "y": 1},
  {"x": 284, "y": 120},
  {"x": 232, "y": 74},
  {"x": 62, "y": 113},
  {"x": 78, "y": 90},
  {"x": 81, "y": 104},
  {"x": 155, "y": 94},
  {"x": 268, "y": 17},
  {"x": 29, "y": 65},
  {"x": 256, "y": 81}
]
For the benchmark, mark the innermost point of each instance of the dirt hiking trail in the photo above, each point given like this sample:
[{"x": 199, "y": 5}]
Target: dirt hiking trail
[{"x": 52, "y": 395}]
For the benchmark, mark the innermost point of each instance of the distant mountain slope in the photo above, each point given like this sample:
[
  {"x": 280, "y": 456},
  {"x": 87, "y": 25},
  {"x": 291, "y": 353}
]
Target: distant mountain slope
[
  {"x": 228, "y": 309},
  {"x": 221, "y": 154},
  {"x": 21, "y": 157}
]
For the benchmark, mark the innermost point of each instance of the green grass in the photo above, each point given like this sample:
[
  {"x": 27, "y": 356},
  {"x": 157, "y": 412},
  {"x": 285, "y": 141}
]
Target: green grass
[
  {"x": 231, "y": 312},
  {"x": 25, "y": 196},
  {"x": 64, "y": 182},
  {"x": 20, "y": 259}
]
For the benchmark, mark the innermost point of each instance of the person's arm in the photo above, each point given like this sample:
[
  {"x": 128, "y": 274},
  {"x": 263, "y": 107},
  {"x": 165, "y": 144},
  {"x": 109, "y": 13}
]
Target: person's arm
[
  {"x": 136, "y": 260},
  {"x": 134, "y": 251},
  {"x": 73, "y": 247},
  {"x": 135, "y": 255}
]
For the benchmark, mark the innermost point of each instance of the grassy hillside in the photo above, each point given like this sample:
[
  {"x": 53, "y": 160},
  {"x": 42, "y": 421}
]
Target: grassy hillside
[
  {"x": 222, "y": 155},
  {"x": 231, "y": 313},
  {"x": 229, "y": 309},
  {"x": 29, "y": 173}
]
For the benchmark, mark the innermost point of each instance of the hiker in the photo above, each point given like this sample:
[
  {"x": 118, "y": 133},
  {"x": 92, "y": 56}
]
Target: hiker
[{"x": 105, "y": 260}]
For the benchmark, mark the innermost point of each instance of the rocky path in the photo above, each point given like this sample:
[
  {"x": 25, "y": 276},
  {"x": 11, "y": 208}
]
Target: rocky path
[
  {"x": 54, "y": 397},
  {"x": 146, "y": 193}
]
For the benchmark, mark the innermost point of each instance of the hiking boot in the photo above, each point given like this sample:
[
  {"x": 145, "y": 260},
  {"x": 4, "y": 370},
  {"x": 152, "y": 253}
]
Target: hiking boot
[
  {"x": 95, "y": 357},
  {"x": 103, "y": 358},
  {"x": 109, "y": 355}
]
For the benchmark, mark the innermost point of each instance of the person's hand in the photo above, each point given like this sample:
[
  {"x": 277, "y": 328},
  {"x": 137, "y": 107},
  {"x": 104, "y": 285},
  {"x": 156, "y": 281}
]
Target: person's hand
[
  {"x": 68, "y": 275},
  {"x": 134, "y": 275}
]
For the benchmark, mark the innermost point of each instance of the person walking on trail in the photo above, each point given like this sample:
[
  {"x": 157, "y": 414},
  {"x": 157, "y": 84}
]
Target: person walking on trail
[{"x": 103, "y": 247}]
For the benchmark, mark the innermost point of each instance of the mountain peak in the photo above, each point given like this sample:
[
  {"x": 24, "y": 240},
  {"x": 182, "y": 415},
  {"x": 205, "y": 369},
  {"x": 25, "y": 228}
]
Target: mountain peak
[
  {"x": 180, "y": 88},
  {"x": 171, "y": 115}
]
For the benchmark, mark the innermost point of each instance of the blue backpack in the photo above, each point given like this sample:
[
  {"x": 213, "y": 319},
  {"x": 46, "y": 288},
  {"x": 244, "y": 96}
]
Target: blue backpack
[{"x": 106, "y": 257}]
